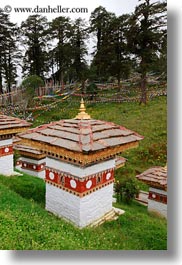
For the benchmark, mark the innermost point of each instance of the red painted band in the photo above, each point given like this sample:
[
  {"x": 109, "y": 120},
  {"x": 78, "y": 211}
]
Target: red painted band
[
  {"x": 80, "y": 185},
  {"x": 158, "y": 197},
  {"x": 6, "y": 150},
  {"x": 32, "y": 167}
]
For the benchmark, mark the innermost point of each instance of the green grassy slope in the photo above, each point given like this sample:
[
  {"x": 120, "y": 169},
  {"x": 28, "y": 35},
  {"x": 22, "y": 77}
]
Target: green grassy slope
[{"x": 24, "y": 224}]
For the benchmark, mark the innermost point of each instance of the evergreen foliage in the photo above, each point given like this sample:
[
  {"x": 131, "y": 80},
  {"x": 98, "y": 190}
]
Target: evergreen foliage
[
  {"x": 126, "y": 189},
  {"x": 35, "y": 37},
  {"x": 146, "y": 37},
  {"x": 56, "y": 51},
  {"x": 9, "y": 52},
  {"x": 30, "y": 84}
]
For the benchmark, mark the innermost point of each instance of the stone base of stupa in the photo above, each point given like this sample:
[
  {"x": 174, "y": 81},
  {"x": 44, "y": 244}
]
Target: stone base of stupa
[
  {"x": 80, "y": 195},
  {"x": 157, "y": 202},
  {"x": 110, "y": 216},
  {"x": 81, "y": 211}
]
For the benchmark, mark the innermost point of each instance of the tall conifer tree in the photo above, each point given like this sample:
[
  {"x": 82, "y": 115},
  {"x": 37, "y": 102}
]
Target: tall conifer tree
[
  {"x": 79, "y": 48},
  {"x": 61, "y": 31},
  {"x": 147, "y": 28},
  {"x": 35, "y": 38},
  {"x": 9, "y": 53}
]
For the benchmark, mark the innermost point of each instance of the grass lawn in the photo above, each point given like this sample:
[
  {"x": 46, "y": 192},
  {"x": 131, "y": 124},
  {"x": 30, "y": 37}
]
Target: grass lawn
[{"x": 24, "y": 224}]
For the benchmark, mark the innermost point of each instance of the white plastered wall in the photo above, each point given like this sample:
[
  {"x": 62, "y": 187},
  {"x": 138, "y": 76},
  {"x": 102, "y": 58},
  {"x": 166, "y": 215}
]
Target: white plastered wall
[
  {"x": 81, "y": 211},
  {"x": 62, "y": 203},
  {"x": 155, "y": 206},
  {"x": 40, "y": 174},
  {"x": 6, "y": 162},
  {"x": 95, "y": 205},
  {"x": 6, "y": 142},
  {"x": 6, "y": 165},
  {"x": 78, "y": 171}
]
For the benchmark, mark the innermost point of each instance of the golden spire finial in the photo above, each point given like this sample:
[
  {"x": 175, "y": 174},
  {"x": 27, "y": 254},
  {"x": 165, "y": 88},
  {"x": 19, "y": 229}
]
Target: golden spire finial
[{"x": 82, "y": 115}]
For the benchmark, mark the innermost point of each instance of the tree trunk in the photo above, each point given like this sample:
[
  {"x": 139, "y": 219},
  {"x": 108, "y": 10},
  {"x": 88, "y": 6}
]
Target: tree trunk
[
  {"x": 1, "y": 88},
  {"x": 1, "y": 84},
  {"x": 83, "y": 87},
  {"x": 119, "y": 83},
  {"x": 62, "y": 81},
  {"x": 143, "y": 98},
  {"x": 9, "y": 91}
]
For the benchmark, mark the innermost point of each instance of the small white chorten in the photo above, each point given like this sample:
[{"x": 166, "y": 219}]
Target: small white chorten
[
  {"x": 9, "y": 126},
  {"x": 80, "y": 163}
]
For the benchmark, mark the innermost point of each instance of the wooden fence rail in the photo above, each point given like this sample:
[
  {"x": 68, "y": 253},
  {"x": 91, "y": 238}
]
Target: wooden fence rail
[{"x": 12, "y": 98}]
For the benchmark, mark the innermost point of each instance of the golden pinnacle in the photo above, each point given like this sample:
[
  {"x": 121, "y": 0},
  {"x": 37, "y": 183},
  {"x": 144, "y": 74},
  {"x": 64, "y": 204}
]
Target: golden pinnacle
[{"x": 82, "y": 115}]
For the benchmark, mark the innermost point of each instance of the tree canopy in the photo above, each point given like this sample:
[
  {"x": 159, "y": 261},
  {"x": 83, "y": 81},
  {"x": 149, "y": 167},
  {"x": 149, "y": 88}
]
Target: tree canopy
[
  {"x": 9, "y": 52},
  {"x": 59, "y": 49},
  {"x": 146, "y": 37}
]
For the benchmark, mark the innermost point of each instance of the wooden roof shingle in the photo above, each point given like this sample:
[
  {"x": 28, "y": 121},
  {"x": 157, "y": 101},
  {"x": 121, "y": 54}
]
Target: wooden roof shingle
[
  {"x": 82, "y": 135},
  {"x": 155, "y": 177},
  {"x": 12, "y": 125}
]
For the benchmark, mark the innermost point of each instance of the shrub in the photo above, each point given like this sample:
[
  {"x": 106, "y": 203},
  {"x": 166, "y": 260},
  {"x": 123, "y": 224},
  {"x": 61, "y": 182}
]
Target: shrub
[
  {"x": 30, "y": 84},
  {"x": 92, "y": 89},
  {"x": 126, "y": 189}
]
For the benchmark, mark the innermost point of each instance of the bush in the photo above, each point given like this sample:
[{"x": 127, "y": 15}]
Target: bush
[
  {"x": 92, "y": 89},
  {"x": 30, "y": 84},
  {"x": 126, "y": 189}
]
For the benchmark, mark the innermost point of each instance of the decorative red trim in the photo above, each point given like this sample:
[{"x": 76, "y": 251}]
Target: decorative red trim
[
  {"x": 157, "y": 197},
  {"x": 6, "y": 150},
  {"x": 18, "y": 163},
  {"x": 79, "y": 186},
  {"x": 32, "y": 166}
]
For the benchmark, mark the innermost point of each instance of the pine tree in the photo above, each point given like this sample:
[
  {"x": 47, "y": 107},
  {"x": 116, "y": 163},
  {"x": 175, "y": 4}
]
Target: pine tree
[
  {"x": 159, "y": 64},
  {"x": 9, "y": 53},
  {"x": 61, "y": 55},
  {"x": 147, "y": 28},
  {"x": 120, "y": 56},
  {"x": 35, "y": 38},
  {"x": 12, "y": 57},
  {"x": 80, "y": 34},
  {"x": 100, "y": 26},
  {"x": 3, "y": 32}
]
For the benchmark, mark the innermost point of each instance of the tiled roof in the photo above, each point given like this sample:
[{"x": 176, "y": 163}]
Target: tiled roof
[
  {"x": 82, "y": 135},
  {"x": 12, "y": 123},
  {"x": 155, "y": 177},
  {"x": 119, "y": 161},
  {"x": 28, "y": 149}
]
